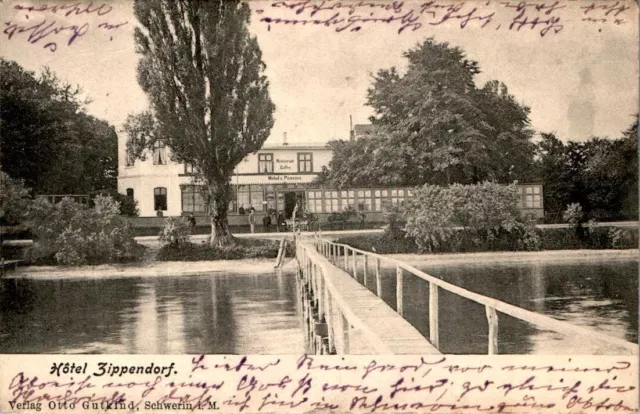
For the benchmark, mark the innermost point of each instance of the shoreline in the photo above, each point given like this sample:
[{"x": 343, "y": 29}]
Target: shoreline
[
  {"x": 500, "y": 258},
  {"x": 265, "y": 266},
  {"x": 156, "y": 269}
]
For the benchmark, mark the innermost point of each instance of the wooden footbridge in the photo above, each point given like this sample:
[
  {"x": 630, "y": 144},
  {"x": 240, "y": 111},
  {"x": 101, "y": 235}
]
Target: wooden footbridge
[{"x": 342, "y": 316}]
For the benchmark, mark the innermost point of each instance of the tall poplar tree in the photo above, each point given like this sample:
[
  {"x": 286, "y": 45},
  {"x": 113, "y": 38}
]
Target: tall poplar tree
[{"x": 203, "y": 74}]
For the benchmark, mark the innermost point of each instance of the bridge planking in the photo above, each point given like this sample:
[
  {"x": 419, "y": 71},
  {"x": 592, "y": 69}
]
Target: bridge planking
[{"x": 366, "y": 311}]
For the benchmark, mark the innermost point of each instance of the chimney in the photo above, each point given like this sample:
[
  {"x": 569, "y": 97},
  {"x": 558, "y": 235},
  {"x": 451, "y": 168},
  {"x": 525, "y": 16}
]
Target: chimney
[
  {"x": 352, "y": 133},
  {"x": 284, "y": 139}
]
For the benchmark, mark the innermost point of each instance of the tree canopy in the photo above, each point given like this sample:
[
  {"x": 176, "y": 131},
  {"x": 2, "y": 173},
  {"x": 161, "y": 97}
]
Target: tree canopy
[
  {"x": 203, "y": 74},
  {"x": 48, "y": 140},
  {"x": 599, "y": 174},
  {"x": 434, "y": 125}
]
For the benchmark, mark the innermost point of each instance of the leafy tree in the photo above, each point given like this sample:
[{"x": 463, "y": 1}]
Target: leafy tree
[
  {"x": 599, "y": 174},
  {"x": 435, "y": 126},
  {"x": 14, "y": 199},
  {"x": 203, "y": 74},
  {"x": 48, "y": 140}
]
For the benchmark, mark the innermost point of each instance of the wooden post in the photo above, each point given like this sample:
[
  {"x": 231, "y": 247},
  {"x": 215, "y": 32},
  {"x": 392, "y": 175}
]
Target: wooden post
[
  {"x": 492, "y": 319},
  {"x": 346, "y": 258},
  {"x": 365, "y": 265},
  {"x": 329, "y": 318},
  {"x": 320, "y": 295},
  {"x": 434, "y": 336},
  {"x": 378, "y": 279},
  {"x": 354, "y": 265},
  {"x": 399, "y": 299},
  {"x": 345, "y": 335}
]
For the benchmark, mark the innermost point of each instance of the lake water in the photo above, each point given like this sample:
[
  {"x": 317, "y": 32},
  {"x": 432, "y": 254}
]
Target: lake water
[
  {"x": 214, "y": 314},
  {"x": 599, "y": 295},
  {"x": 258, "y": 314}
]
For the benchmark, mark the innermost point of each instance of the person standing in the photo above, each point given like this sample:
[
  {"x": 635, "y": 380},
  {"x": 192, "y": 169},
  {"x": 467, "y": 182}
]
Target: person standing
[
  {"x": 266, "y": 222},
  {"x": 252, "y": 219},
  {"x": 294, "y": 216},
  {"x": 192, "y": 223}
]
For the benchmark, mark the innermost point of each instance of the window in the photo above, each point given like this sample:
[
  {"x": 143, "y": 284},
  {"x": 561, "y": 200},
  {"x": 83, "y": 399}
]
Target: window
[
  {"x": 270, "y": 197},
  {"x": 348, "y": 199},
  {"x": 250, "y": 196},
  {"x": 397, "y": 197},
  {"x": 190, "y": 169},
  {"x": 305, "y": 162},
  {"x": 314, "y": 201},
  {"x": 160, "y": 198},
  {"x": 192, "y": 199},
  {"x": 331, "y": 201},
  {"x": 130, "y": 192},
  {"x": 130, "y": 159},
  {"x": 159, "y": 153},
  {"x": 530, "y": 197},
  {"x": 265, "y": 163},
  {"x": 365, "y": 203},
  {"x": 381, "y": 199}
]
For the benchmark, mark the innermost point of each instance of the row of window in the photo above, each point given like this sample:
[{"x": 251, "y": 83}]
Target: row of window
[
  {"x": 318, "y": 201},
  {"x": 331, "y": 201},
  {"x": 265, "y": 160}
]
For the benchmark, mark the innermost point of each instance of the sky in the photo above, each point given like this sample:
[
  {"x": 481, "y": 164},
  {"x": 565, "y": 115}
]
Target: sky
[{"x": 579, "y": 82}]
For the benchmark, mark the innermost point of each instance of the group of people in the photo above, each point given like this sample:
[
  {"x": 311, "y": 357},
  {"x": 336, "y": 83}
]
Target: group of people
[{"x": 266, "y": 220}]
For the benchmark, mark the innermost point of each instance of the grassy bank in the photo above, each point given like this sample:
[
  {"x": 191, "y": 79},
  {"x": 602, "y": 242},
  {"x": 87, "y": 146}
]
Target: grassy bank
[
  {"x": 550, "y": 239},
  {"x": 243, "y": 249}
]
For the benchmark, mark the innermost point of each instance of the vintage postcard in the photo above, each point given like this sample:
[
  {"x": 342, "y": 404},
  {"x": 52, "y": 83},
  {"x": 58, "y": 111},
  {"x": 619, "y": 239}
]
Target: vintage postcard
[{"x": 319, "y": 205}]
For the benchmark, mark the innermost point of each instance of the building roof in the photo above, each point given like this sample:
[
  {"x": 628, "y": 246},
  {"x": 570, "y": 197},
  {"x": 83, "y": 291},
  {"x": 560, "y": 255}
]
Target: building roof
[{"x": 294, "y": 145}]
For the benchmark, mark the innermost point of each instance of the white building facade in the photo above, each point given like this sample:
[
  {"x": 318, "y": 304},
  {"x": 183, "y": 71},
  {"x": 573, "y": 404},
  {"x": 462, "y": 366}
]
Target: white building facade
[{"x": 273, "y": 178}]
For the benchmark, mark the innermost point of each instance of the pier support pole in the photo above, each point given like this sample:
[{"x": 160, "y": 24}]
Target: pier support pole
[
  {"x": 399, "y": 298},
  {"x": 492, "y": 319},
  {"x": 354, "y": 267},
  {"x": 365, "y": 265},
  {"x": 434, "y": 336},
  {"x": 378, "y": 279},
  {"x": 346, "y": 258}
]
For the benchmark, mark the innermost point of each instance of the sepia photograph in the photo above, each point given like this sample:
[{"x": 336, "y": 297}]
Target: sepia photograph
[{"x": 319, "y": 178}]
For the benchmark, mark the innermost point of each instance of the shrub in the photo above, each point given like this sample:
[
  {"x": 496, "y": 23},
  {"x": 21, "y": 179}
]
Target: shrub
[
  {"x": 468, "y": 217},
  {"x": 395, "y": 220},
  {"x": 75, "y": 234},
  {"x": 573, "y": 215},
  {"x": 14, "y": 198},
  {"x": 176, "y": 231},
  {"x": 622, "y": 238},
  {"x": 128, "y": 205}
]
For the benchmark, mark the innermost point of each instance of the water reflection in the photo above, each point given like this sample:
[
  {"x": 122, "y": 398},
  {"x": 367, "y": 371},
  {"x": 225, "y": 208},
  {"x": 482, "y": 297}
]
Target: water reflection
[
  {"x": 601, "y": 295},
  {"x": 230, "y": 314}
]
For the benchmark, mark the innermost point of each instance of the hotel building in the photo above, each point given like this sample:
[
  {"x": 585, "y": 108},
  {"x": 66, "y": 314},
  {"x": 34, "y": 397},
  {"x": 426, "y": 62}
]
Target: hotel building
[{"x": 274, "y": 178}]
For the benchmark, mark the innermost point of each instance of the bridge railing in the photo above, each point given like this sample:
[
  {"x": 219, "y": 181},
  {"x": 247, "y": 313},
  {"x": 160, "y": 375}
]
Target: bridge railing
[
  {"x": 341, "y": 320},
  {"x": 347, "y": 257}
]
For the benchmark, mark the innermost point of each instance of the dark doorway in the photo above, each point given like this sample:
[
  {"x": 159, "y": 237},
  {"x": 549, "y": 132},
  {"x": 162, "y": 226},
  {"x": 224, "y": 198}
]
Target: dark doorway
[{"x": 290, "y": 200}]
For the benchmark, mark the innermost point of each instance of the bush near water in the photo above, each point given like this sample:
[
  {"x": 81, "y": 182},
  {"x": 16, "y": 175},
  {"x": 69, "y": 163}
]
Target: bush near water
[
  {"x": 480, "y": 218},
  {"x": 70, "y": 233},
  {"x": 242, "y": 249},
  {"x": 550, "y": 239}
]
